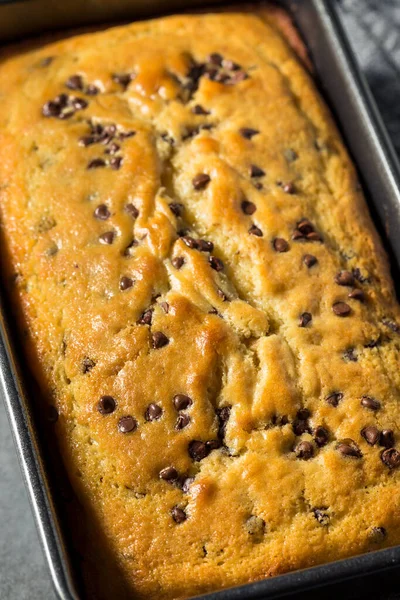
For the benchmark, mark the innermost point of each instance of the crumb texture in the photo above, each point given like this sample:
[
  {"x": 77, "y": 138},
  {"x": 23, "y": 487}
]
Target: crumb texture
[{"x": 204, "y": 303}]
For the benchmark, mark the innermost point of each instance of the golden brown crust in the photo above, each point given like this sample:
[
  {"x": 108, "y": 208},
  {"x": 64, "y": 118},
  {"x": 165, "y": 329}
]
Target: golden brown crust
[{"x": 279, "y": 493}]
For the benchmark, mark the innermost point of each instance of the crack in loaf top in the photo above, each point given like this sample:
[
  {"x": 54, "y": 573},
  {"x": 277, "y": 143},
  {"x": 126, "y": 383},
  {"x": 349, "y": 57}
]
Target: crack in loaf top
[{"x": 205, "y": 303}]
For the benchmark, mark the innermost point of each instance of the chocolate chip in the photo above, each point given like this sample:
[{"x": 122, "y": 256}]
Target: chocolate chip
[
  {"x": 190, "y": 132},
  {"x": 300, "y": 424},
  {"x": 258, "y": 185},
  {"x": 386, "y": 438},
  {"x": 178, "y": 514},
  {"x": 75, "y": 82},
  {"x": 62, "y": 100},
  {"x": 297, "y": 235},
  {"x": 199, "y": 110},
  {"x": 348, "y": 447},
  {"x": 102, "y": 213},
  {"x": 216, "y": 263},
  {"x": 190, "y": 242},
  {"x": 370, "y": 403},
  {"x": 78, "y": 103},
  {"x": 248, "y": 133},
  {"x": 321, "y": 436},
  {"x": 200, "y": 181},
  {"x": 63, "y": 106},
  {"x": 305, "y": 226},
  {"x": 87, "y": 365},
  {"x": 87, "y": 140},
  {"x": 112, "y": 148},
  {"x": 321, "y": 515},
  {"x": 334, "y": 398},
  {"x": 109, "y": 132},
  {"x": 123, "y": 79},
  {"x": 96, "y": 128},
  {"x": 168, "y": 474},
  {"x": 159, "y": 340},
  {"x": 92, "y": 90},
  {"x": 377, "y": 534},
  {"x": 205, "y": 246},
  {"x": 198, "y": 450},
  {"x": 341, "y": 309},
  {"x": 391, "y": 458},
  {"x": 280, "y": 245},
  {"x": 146, "y": 317},
  {"x": 314, "y": 236},
  {"x": 254, "y": 230},
  {"x": 303, "y": 414},
  {"x": 178, "y": 262},
  {"x": 116, "y": 162},
  {"x": 182, "y": 421},
  {"x": 344, "y": 278},
  {"x": 290, "y": 155},
  {"x": 305, "y": 319},
  {"x": 182, "y": 402},
  {"x": 357, "y": 295},
  {"x": 213, "y": 445},
  {"x": 283, "y": 420},
  {"x": 304, "y": 450},
  {"x": 125, "y": 283},
  {"x": 370, "y": 434},
  {"x": 107, "y": 237},
  {"x": 248, "y": 208},
  {"x": 256, "y": 171},
  {"x": 132, "y": 210},
  {"x": 127, "y": 424},
  {"x": 176, "y": 208},
  {"x": 96, "y": 163},
  {"x": 350, "y": 355},
  {"x": 195, "y": 72},
  {"x": 310, "y": 260},
  {"x": 153, "y": 412},
  {"x": 289, "y": 187},
  {"x": 51, "y": 109},
  {"x": 223, "y": 415},
  {"x": 52, "y": 414},
  {"x": 106, "y": 405},
  {"x": 215, "y": 59}
]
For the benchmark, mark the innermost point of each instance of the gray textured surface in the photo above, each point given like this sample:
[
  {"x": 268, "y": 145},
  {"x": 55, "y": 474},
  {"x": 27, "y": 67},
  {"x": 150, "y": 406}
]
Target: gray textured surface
[{"x": 373, "y": 27}]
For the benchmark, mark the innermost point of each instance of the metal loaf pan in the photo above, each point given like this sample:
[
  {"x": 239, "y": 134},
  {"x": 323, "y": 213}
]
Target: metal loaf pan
[{"x": 346, "y": 92}]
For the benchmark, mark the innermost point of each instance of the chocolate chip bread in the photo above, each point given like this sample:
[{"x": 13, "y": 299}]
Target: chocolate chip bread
[{"x": 205, "y": 304}]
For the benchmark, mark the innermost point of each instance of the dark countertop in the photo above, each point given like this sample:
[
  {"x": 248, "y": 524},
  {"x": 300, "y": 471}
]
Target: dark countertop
[{"x": 374, "y": 31}]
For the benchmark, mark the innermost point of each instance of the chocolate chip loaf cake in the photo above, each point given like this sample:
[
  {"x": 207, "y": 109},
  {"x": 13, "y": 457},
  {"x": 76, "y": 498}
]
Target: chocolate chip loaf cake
[{"x": 204, "y": 302}]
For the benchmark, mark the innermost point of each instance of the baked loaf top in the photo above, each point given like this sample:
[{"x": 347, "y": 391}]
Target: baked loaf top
[{"x": 205, "y": 303}]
